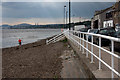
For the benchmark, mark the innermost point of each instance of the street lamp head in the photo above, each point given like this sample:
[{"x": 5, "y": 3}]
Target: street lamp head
[{"x": 65, "y": 6}]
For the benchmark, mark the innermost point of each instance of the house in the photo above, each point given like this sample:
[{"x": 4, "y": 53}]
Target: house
[{"x": 109, "y": 17}]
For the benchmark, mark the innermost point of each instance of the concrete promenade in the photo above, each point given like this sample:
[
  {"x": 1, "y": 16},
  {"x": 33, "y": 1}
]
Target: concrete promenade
[{"x": 93, "y": 67}]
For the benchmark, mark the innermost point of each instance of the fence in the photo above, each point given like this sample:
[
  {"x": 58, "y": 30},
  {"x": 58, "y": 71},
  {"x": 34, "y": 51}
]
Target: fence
[
  {"x": 83, "y": 37},
  {"x": 56, "y": 38}
]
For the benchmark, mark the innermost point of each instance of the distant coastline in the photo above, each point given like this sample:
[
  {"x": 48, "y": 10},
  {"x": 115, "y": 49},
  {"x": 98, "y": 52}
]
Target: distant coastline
[
  {"x": 28, "y": 26},
  {"x": 49, "y": 26}
]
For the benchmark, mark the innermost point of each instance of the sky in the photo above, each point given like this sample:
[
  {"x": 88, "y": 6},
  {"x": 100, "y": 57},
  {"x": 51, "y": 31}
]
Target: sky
[{"x": 44, "y": 13}]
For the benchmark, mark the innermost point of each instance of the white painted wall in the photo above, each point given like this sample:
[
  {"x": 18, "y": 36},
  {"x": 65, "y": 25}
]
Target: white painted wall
[
  {"x": 79, "y": 27},
  {"x": 108, "y": 23}
]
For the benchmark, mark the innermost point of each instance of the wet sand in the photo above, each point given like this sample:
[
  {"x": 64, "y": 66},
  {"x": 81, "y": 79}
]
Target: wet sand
[{"x": 34, "y": 60}]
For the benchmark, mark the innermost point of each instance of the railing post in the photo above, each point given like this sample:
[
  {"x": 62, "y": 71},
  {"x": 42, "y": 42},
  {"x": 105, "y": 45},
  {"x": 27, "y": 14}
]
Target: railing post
[
  {"x": 112, "y": 58},
  {"x": 91, "y": 49},
  {"x": 68, "y": 34},
  {"x": 54, "y": 39},
  {"x": 73, "y": 37},
  {"x": 80, "y": 41},
  {"x": 87, "y": 45},
  {"x": 100, "y": 53},
  {"x": 47, "y": 42},
  {"x": 83, "y": 44}
]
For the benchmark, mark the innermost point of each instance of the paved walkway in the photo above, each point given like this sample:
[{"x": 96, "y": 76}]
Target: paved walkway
[{"x": 72, "y": 67}]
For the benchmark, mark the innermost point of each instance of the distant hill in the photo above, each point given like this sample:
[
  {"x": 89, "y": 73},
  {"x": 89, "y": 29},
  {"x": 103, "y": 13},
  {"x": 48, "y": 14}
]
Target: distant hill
[
  {"x": 28, "y": 26},
  {"x": 5, "y": 26},
  {"x": 23, "y": 24},
  {"x": 54, "y": 26}
]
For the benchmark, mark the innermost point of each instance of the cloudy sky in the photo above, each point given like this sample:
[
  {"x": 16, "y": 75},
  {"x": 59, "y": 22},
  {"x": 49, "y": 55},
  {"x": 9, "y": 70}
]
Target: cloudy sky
[{"x": 48, "y": 12}]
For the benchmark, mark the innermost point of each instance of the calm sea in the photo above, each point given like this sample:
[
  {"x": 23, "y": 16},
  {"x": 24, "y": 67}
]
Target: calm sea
[{"x": 10, "y": 36}]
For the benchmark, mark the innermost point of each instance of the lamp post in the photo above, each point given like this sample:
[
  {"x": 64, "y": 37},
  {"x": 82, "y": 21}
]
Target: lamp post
[
  {"x": 73, "y": 22},
  {"x": 79, "y": 19},
  {"x": 69, "y": 15},
  {"x": 64, "y": 15},
  {"x": 73, "y": 18}
]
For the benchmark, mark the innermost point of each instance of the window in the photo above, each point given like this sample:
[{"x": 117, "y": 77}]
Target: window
[
  {"x": 109, "y": 15},
  {"x": 119, "y": 14}
]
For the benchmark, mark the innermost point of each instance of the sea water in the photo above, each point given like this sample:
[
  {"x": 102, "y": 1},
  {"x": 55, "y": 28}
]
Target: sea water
[{"x": 10, "y": 36}]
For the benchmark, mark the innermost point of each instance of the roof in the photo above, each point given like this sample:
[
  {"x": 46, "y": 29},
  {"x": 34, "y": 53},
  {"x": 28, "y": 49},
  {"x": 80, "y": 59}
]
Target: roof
[
  {"x": 101, "y": 11},
  {"x": 113, "y": 7}
]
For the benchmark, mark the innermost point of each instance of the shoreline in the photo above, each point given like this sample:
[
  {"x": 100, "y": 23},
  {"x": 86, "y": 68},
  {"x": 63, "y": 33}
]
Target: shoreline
[
  {"x": 33, "y": 60},
  {"x": 10, "y": 37},
  {"x": 28, "y": 43}
]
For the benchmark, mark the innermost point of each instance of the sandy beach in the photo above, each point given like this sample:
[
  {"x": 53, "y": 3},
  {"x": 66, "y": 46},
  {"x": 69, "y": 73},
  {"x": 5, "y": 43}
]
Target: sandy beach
[{"x": 34, "y": 60}]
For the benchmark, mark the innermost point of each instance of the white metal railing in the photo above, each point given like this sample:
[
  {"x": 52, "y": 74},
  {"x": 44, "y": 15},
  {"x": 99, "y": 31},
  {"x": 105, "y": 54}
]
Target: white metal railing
[
  {"x": 56, "y": 38},
  {"x": 70, "y": 35}
]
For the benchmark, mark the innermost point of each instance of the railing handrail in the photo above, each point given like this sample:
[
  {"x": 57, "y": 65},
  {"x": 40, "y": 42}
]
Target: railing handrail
[
  {"x": 99, "y": 35},
  {"x": 101, "y": 61},
  {"x": 58, "y": 35},
  {"x": 102, "y": 49},
  {"x": 73, "y": 38},
  {"x": 55, "y": 38}
]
